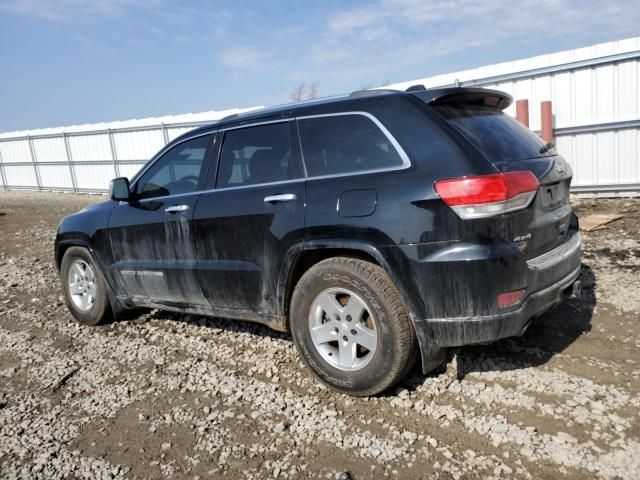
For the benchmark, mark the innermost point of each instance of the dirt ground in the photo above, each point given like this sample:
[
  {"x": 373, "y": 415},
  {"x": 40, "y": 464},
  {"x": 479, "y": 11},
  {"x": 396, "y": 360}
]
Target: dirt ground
[{"x": 182, "y": 396}]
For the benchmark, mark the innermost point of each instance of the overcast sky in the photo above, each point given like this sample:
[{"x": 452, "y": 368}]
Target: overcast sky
[{"x": 77, "y": 61}]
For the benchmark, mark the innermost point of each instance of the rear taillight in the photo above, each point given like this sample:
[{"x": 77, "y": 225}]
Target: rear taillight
[{"x": 487, "y": 195}]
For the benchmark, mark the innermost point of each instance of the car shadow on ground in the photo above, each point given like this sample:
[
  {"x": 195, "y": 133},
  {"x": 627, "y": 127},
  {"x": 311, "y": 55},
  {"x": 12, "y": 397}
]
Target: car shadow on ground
[{"x": 547, "y": 336}]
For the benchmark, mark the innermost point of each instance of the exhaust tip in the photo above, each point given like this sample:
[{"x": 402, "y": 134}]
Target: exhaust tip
[{"x": 576, "y": 289}]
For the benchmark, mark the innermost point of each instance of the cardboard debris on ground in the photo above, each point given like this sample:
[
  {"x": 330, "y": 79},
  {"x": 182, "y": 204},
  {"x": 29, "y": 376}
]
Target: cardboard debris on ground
[{"x": 598, "y": 221}]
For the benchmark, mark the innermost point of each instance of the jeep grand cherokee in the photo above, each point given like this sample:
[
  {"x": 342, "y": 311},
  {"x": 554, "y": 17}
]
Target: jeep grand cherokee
[{"x": 375, "y": 227}]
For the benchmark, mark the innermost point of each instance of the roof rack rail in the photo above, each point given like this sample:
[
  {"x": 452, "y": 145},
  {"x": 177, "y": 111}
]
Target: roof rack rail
[
  {"x": 376, "y": 91},
  {"x": 415, "y": 88},
  {"x": 229, "y": 117}
]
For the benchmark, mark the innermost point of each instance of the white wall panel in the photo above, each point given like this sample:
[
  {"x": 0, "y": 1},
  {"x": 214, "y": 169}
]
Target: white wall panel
[
  {"x": 583, "y": 86},
  {"x": 603, "y": 158},
  {"x": 628, "y": 155},
  {"x": 603, "y": 95},
  {"x": 584, "y": 160},
  {"x": 15, "y": 151},
  {"x": 94, "y": 177},
  {"x": 20, "y": 175},
  {"x": 49, "y": 149},
  {"x": 627, "y": 90},
  {"x": 140, "y": 145},
  {"x": 55, "y": 176},
  {"x": 562, "y": 99},
  {"x": 605, "y": 171},
  {"x": 94, "y": 146},
  {"x": 129, "y": 169},
  {"x": 175, "y": 132}
]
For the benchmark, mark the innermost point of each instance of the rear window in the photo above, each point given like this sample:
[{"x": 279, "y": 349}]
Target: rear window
[
  {"x": 256, "y": 155},
  {"x": 498, "y": 136},
  {"x": 346, "y": 143}
]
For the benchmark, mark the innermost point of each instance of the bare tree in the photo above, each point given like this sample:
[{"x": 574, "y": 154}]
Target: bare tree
[
  {"x": 301, "y": 92},
  {"x": 297, "y": 93},
  {"x": 312, "y": 92}
]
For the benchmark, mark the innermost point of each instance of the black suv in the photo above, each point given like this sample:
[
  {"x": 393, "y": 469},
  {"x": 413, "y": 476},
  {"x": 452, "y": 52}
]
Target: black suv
[{"x": 374, "y": 227}]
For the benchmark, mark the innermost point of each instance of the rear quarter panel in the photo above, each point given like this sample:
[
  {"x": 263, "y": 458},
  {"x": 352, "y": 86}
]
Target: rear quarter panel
[{"x": 409, "y": 221}]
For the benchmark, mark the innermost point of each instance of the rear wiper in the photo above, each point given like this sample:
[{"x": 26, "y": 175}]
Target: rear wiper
[{"x": 548, "y": 146}]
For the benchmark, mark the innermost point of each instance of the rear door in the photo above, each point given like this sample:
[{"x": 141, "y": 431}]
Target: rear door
[
  {"x": 350, "y": 158},
  {"x": 151, "y": 235},
  {"x": 247, "y": 223},
  {"x": 510, "y": 146}
]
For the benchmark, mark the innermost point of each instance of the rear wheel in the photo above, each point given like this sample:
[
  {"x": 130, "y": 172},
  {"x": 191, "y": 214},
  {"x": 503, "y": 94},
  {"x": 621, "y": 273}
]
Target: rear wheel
[
  {"x": 84, "y": 289},
  {"x": 351, "y": 327}
]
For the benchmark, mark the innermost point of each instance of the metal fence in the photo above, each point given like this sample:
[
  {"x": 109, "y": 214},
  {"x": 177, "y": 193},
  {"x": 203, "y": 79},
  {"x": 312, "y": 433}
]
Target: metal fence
[
  {"x": 82, "y": 161},
  {"x": 596, "y": 108},
  {"x": 594, "y": 92}
]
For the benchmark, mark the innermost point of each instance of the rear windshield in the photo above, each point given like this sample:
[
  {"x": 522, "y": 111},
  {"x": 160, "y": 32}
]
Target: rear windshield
[{"x": 498, "y": 136}]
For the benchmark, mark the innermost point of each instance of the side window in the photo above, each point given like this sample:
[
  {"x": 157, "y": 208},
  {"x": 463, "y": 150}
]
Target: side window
[
  {"x": 345, "y": 143},
  {"x": 253, "y": 155},
  {"x": 177, "y": 171}
]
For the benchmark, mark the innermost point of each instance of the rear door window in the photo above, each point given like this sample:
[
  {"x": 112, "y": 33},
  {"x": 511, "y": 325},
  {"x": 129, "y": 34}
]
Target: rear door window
[
  {"x": 256, "y": 155},
  {"x": 498, "y": 136},
  {"x": 339, "y": 144}
]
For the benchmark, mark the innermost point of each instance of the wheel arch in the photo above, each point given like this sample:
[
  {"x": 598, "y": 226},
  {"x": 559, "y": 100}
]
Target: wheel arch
[
  {"x": 63, "y": 245},
  {"x": 303, "y": 256},
  {"x": 117, "y": 308}
]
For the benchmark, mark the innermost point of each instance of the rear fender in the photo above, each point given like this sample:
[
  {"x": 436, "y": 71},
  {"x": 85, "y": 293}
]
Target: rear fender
[
  {"x": 390, "y": 265},
  {"x": 431, "y": 355},
  {"x": 298, "y": 249}
]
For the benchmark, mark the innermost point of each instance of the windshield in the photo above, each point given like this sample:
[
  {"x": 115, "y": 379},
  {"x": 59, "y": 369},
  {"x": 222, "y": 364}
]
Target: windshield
[{"x": 497, "y": 135}]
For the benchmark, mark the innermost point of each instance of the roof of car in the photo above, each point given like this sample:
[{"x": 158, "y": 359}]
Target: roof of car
[{"x": 348, "y": 101}]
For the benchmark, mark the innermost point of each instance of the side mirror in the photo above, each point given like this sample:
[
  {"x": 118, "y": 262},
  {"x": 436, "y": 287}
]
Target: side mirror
[{"x": 119, "y": 189}]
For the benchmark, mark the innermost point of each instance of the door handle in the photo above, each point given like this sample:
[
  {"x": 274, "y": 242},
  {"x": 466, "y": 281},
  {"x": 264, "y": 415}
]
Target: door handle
[
  {"x": 176, "y": 208},
  {"x": 285, "y": 197}
]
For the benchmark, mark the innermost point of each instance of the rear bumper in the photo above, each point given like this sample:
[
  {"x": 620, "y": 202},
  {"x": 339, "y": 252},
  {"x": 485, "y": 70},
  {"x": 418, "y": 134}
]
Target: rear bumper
[
  {"x": 547, "y": 279},
  {"x": 453, "y": 332}
]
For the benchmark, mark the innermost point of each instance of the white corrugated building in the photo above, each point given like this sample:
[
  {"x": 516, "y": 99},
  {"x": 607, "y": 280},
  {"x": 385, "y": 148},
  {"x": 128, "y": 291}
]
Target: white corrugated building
[
  {"x": 594, "y": 90},
  {"x": 85, "y": 158}
]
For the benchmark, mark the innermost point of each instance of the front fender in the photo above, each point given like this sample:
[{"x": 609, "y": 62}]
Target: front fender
[
  {"x": 64, "y": 241},
  {"x": 88, "y": 229}
]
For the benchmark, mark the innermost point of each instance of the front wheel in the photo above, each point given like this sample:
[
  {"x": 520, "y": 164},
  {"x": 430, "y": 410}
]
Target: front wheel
[
  {"x": 351, "y": 327},
  {"x": 84, "y": 289}
]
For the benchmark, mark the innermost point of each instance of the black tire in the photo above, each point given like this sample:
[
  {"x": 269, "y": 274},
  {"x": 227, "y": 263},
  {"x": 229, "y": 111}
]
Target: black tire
[
  {"x": 396, "y": 341},
  {"x": 100, "y": 310}
]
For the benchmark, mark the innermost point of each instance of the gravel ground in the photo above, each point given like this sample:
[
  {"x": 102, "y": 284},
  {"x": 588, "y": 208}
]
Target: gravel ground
[{"x": 183, "y": 396}]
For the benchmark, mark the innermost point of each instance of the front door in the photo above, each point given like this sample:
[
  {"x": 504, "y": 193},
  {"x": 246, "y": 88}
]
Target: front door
[
  {"x": 247, "y": 223},
  {"x": 151, "y": 236}
]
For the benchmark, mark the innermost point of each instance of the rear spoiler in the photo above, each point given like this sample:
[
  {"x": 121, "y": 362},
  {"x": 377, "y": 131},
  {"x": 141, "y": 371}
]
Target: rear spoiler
[{"x": 462, "y": 96}]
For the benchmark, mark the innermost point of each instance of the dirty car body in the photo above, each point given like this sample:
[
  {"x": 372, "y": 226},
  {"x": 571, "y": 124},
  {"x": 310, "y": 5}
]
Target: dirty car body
[{"x": 231, "y": 230}]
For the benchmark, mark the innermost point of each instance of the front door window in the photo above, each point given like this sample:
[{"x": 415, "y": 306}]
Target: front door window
[{"x": 177, "y": 171}]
